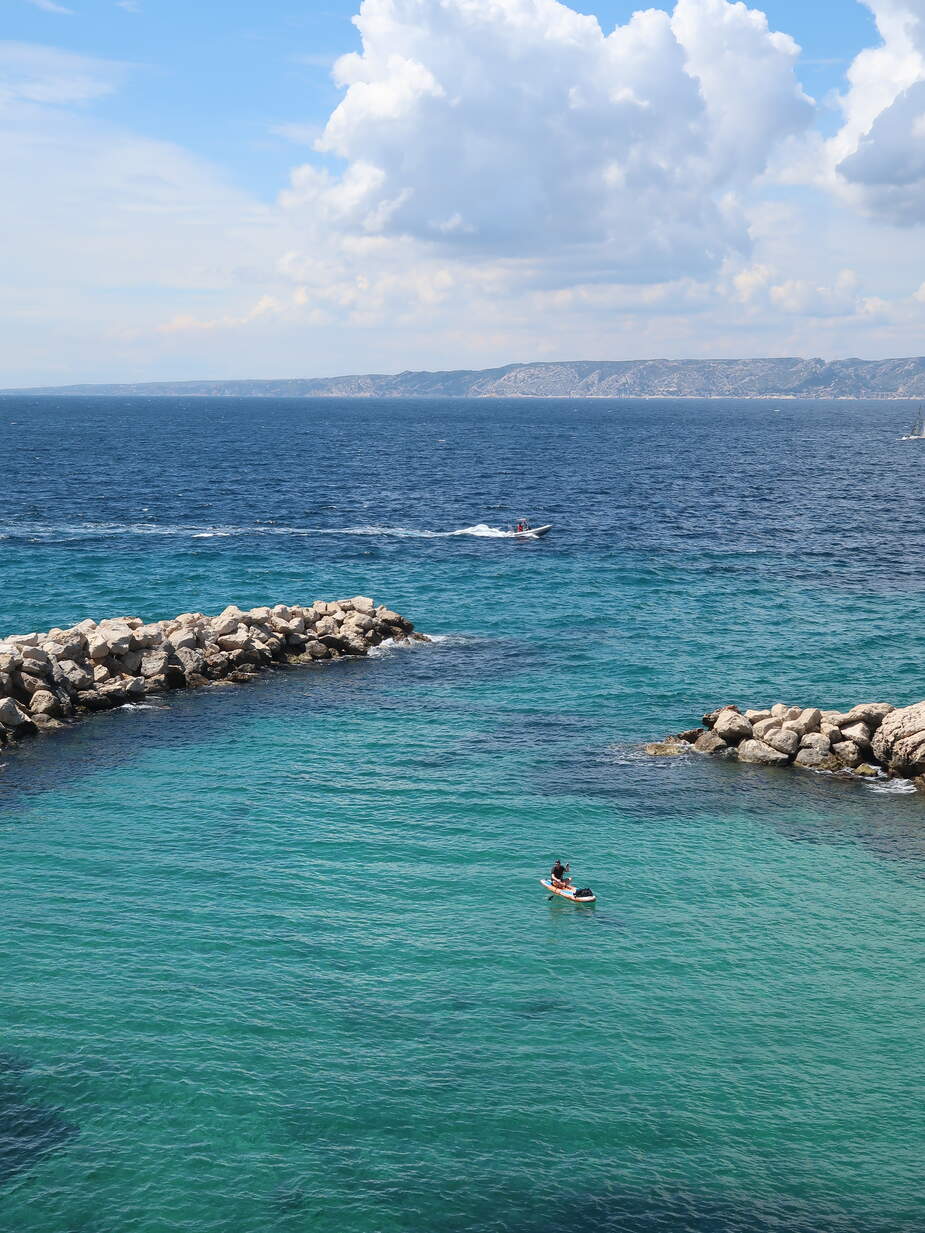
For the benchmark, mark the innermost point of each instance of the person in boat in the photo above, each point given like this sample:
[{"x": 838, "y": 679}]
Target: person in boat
[
  {"x": 557, "y": 874},
  {"x": 520, "y": 527}
]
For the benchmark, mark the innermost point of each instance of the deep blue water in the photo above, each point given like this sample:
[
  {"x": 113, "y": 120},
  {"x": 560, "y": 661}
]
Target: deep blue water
[{"x": 275, "y": 957}]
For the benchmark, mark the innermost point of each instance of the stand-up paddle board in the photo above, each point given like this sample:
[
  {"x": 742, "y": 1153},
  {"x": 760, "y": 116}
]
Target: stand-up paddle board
[{"x": 568, "y": 892}]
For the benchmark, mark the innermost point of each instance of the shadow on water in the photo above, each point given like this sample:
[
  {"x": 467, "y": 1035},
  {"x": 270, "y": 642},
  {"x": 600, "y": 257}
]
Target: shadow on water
[
  {"x": 29, "y": 1131},
  {"x": 673, "y": 1213},
  {"x": 179, "y": 719},
  {"x": 492, "y": 1211},
  {"x": 802, "y": 806}
]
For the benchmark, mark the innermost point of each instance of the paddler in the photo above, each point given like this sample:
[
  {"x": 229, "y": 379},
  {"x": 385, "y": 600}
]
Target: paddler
[{"x": 559, "y": 880}]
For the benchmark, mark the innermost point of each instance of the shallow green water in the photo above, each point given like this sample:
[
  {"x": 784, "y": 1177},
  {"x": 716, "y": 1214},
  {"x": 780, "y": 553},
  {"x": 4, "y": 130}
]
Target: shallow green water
[{"x": 276, "y": 958}]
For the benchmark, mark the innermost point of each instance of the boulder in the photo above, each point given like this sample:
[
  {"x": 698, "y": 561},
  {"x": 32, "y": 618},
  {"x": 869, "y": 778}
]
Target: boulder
[
  {"x": 754, "y": 717},
  {"x": 25, "y": 684},
  {"x": 732, "y": 726},
  {"x": 128, "y": 664},
  {"x": 857, "y": 732},
  {"x": 764, "y": 726},
  {"x": 815, "y": 760},
  {"x": 359, "y": 603},
  {"x": 899, "y": 742},
  {"x": 114, "y": 693},
  {"x": 761, "y": 753},
  {"x": 147, "y": 636},
  {"x": 665, "y": 749},
  {"x": 223, "y": 625},
  {"x": 46, "y": 723},
  {"x": 163, "y": 664},
  {"x": 190, "y": 659},
  {"x": 388, "y": 617},
  {"x": 237, "y": 640},
  {"x": 783, "y": 741},
  {"x": 44, "y": 703},
  {"x": 76, "y": 675},
  {"x": 97, "y": 648},
  {"x": 36, "y": 659},
  {"x": 317, "y": 650},
  {"x": 117, "y": 634},
  {"x": 830, "y": 730},
  {"x": 868, "y": 771},
  {"x": 11, "y": 716},
  {"x": 871, "y": 713},
  {"x": 805, "y": 721},
  {"x": 816, "y": 741},
  {"x": 359, "y": 620},
  {"x": 710, "y": 743},
  {"x": 215, "y": 665},
  {"x": 780, "y": 710},
  {"x": 847, "y": 753},
  {"x": 93, "y": 700}
]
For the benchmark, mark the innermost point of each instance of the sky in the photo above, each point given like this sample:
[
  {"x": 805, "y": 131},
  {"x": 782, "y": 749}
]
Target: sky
[{"x": 336, "y": 186}]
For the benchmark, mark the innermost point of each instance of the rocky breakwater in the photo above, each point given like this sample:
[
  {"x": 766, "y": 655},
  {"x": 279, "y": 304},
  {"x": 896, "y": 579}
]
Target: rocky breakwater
[
  {"x": 874, "y": 738},
  {"x": 49, "y": 680}
]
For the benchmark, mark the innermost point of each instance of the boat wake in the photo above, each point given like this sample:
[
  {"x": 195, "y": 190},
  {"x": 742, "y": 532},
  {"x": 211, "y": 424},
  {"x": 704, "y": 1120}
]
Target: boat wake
[{"x": 102, "y": 530}]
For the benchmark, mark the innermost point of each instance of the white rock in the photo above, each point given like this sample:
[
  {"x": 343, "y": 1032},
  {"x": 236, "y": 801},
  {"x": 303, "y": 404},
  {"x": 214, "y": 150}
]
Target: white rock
[
  {"x": 762, "y": 754},
  {"x": 899, "y": 741},
  {"x": 783, "y": 741},
  {"x": 97, "y": 648},
  {"x": 857, "y": 732}
]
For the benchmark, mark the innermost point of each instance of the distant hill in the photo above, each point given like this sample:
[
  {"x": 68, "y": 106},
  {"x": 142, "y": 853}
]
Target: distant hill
[{"x": 775, "y": 378}]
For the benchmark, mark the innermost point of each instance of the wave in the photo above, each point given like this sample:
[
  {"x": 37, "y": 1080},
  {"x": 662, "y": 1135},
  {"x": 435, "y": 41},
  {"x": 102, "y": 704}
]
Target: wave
[{"x": 895, "y": 787}]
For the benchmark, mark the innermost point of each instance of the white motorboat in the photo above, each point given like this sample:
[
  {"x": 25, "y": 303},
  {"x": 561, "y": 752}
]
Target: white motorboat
[{"x": 525, "y": 531}]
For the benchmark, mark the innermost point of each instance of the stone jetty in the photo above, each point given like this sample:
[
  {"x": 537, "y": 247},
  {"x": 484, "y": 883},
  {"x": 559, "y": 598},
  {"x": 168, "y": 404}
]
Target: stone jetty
[
  {"x": 873, "y": 738},
  {"x": 49, "y": 680}
]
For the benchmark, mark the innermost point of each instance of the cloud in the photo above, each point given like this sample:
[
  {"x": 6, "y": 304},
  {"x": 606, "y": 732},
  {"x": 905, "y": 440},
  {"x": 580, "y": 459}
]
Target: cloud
[
  {"x": 878, "y": 156},
  {"x": 49, "y": 6},
  {"x": 32, "y": 73},
  {"x": 513, "y": 129}
]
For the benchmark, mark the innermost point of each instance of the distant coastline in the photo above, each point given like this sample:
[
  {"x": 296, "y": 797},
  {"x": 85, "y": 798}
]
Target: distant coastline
[{"x": 784, "y": 378}]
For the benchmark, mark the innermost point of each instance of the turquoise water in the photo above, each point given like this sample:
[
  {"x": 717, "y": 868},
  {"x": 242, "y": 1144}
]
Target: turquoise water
[{"x": 276, "y": 958}]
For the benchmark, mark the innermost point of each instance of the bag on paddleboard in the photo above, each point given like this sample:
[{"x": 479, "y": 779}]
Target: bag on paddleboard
[{"x": 585, "y": 893}]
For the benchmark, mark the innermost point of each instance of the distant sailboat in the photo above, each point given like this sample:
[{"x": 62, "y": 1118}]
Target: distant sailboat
[{"x": 918, "y": 429}]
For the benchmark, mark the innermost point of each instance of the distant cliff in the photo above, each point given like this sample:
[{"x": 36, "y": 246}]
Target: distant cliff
[{"x": 775, "y": 378}]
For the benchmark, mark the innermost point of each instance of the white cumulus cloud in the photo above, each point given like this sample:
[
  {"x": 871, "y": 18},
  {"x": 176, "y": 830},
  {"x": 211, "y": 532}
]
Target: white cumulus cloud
[
  {"x": 879, "y": 153},
  {"x": 517, "y": 129}
]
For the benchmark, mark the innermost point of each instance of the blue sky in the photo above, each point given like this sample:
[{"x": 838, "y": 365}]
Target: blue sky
[
  {"x": 218, "y": 78},
  {"x": 492, "y": 180}
]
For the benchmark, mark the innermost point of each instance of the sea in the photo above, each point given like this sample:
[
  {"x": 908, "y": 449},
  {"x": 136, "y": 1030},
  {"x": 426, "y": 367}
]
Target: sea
[{"x": 275, "y": 958}]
